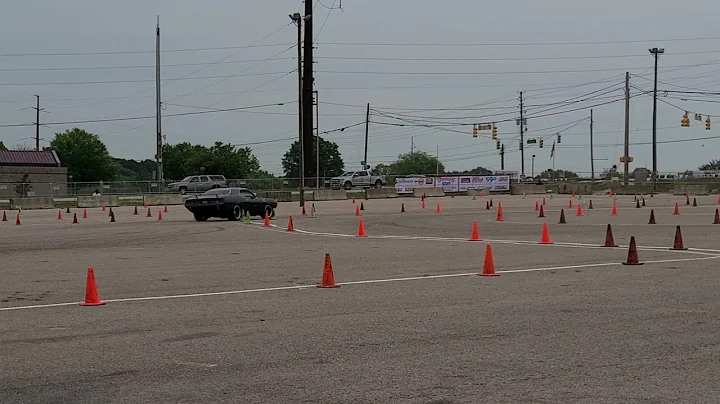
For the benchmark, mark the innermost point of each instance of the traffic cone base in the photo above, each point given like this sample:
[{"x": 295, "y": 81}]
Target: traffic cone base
[
  {"x": 85, "y": 216},
  {"x": 92, "y": 297},
  {"x": 437, "y": 209},
  {"x": 59, "y": 214},
  {"x": 632, "y": 258},
  {"x": 4, "y": 219},
  {"x": 489, "y": 265},
  {"x": 362, "y": 207},
  {"x": 676, "y": 212},
  {"x": 266, "y": 223},
  {"x": 579, "y": 210},
  {"x": 694, "y": 203},
  {"x": 112, "y": 217},
  {"x": 357, "y": 210},
  {"x": 160, "y": 218},
  {"x": 149, "y": 214},
  {"x": 290, "y": 226},
  {"x": 537, "y": 206},
  {"x": 17, "y": 220},
  {"x": 328, "y": 278}
]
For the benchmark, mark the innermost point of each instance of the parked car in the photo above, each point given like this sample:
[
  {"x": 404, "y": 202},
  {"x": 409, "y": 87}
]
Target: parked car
[
  {"x": 229, "y": 203},
  {"x": 198, "y": 183},
  {"x": 362, "y": 178}
]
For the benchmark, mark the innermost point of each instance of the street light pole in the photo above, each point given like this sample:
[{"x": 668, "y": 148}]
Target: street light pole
[
  {"x": 656, "y": 54},
  {"x": 317, "y": 139},
  {"x": 532, "y": 169}
]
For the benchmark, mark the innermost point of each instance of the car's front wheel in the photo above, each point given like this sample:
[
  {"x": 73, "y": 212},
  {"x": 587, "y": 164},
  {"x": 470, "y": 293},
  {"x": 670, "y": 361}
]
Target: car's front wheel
[
  {"x": 269, "y": 211},
  {"x": 199, "y": 217},
  {"x": 378, "y": 184},
  {"x": 348, "y": 185},
  {"x": 236, "y": 213}
]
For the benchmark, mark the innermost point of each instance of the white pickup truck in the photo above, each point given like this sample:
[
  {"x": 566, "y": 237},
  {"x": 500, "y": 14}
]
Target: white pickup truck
[{"x": 362, "y": 178}]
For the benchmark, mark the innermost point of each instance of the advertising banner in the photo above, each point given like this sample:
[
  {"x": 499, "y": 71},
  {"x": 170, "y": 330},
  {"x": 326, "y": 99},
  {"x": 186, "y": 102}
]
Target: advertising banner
[
  {"x": 454, "y": 183},
  {"x": 406, "y": 185}
]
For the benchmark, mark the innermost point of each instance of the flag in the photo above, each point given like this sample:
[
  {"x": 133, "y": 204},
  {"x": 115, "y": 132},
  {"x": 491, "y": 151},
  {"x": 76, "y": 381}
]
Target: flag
[{"x": 552, "y": 151}]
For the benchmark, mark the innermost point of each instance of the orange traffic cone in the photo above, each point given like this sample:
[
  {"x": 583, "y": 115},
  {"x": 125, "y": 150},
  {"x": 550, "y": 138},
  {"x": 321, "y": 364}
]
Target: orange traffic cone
[
  {"x": 437, "y": 209},
  {"x": 687, "y": 199},
  {"x": 361, "y": 229},
  {"x": 328, "y": 278},
  {"x": 570, "y": 204},
  {"x": 160, "y": 216},
  {"x": 266, "y": 223},
  {"x": 149, "y": 214},
  {"x": 110, "y": 213},
  {"x": 303, "y": 211},
  {"x": 4, "y": 219},
  {"x": 422, "y": 206},
  {"x": 562, "y": 217},
  {"x": 353, "y": 201},
  {"x": 632, "y": 258},
  {"x": 609, "y": 240},
  {"x": 652, "y": 217},
  {"x": 92, "y": 297},
  {"x": 165, "y": 210},
  {"x": 537, "y": 206},
  {"x": 542, "y": 212},
  {"x": 676, "y": 212},
  {"x": 579, "y": 210},
  {"x": 362, "y": 207},
  {"x": 489, "y": 265},
  {"x": 545, "y": 239},
  {"x": 475, "y": 235},
  {"x": 59, "y": 214},
  {"x": 573, "y": 195},
  {"x": 500, "y": 216},
  {"x": 480, "y": 196},
  {"x": 678, "y": 243},
  {"x": 614, "y": 209},
  {"x": 357, "y": 210},
  {"x": 145, "y": 204},
  {"x": 103, "y": 207},
  {"x": 135, "y": 213},
  {"x": 637, "y": 203},
  {"x": 85, "y": 216},
  {"x": 17, "y": 220},
  {"x": 590, "y": 205},
  {"x": 75, "y": 218},
  {"x": 717, "y": 217},
  {"x": 694, "y": 202},
  {"x": 402, "y": 208},
  {"x": 611, "y": 194},
  {"x": 290, "y": 224},
  {"x": 718, "y": 200},
  {"x": 543, "y": 201}
]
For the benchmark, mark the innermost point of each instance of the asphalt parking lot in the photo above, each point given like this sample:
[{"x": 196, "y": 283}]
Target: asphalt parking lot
[{"x": 219, "y": 311}]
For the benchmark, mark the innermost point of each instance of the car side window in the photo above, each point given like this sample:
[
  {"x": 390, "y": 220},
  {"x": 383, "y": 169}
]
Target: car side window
[
  {"x": 194, "y": 179},
  {"x": 247, "y": 194},
  {"x": 362, "y": 173},
  {"x": 204, "y": 178}
]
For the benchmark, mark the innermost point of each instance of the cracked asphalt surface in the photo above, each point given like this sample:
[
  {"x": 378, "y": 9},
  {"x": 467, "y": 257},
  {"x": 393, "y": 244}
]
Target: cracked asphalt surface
[{"x": 228, "y": 312}]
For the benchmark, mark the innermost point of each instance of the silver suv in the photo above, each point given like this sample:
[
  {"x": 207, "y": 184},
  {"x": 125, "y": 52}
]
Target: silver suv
[{"x": 198, "y": 183}]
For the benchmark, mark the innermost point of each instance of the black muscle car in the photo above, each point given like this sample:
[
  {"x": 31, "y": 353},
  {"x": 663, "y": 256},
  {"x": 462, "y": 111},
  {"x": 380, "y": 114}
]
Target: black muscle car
[{"x": 229, "y": 203}]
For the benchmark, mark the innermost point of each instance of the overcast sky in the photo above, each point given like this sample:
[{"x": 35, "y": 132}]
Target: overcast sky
[{"x": 508, "y": 40}]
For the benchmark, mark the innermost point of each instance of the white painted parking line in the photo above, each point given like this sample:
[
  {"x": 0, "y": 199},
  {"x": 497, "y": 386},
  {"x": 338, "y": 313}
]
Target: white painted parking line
[{"x": 365, "y": 282}]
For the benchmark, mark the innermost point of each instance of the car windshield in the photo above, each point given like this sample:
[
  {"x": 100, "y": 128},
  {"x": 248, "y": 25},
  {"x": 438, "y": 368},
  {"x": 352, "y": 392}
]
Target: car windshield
[
  {"x": 348, "y": 174},
  {"x": 218, "y": 191},
  {"x": 186, "y": 179}
]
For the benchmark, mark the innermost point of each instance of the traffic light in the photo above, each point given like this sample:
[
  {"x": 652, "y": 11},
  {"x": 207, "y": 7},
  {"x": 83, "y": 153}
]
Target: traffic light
[
  {"x": 685, "y": 121},
  {"x": 494, "y": 132},
  {"x": 474, "y": 131},
  {"x": 707, "y": 123},
  {"x": 559, "y": 139},
  {"x": 497, "y": 144},
  {"x": 502, "y": 148},
  {"x": 541, "y": 143}
]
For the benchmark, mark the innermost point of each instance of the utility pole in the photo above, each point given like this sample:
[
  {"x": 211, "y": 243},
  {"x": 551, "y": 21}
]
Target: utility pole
[
  {"x": 37, "y": 122},
  {"x": 437, "y": 160},
  {"x": 412, "y": 144},
  {"x": 297, "y": 19},
  {"x": 307, "y": 89},
  {"x": 158, "y": 105},
  {"x": 367, "y": 130},
  {"x": 626, "y": 157},
  {"x": 316, "y": 100},
  {"x": 522, "y": 141},
  {"x": 656, "y": 54},
  {"x": 592, "y": 157}
]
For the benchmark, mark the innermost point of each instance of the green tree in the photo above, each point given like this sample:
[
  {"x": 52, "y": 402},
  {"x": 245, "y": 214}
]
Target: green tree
[
  {"x": 85, "y": 156},
  {"x": 2, "y": 146},
  {"x": 474, "y": 171},
  {"x": 416, "y": 163},
  {"x": 382, "y": 169},
  {"x": 133, "y": 170},
  {"x": 331, "y": 162},
  {"x": 711, "y": 166},
  {"x": 185, "y": 159},
  {"x": 558, "y": 174}
]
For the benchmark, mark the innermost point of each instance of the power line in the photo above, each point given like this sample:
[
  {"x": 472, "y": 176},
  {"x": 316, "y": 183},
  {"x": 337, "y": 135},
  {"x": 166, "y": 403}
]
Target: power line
[
  {"x": 520, "y": 43},
  {"x": 144, "y": 51},
  {"x": 138, "y": 81}
]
